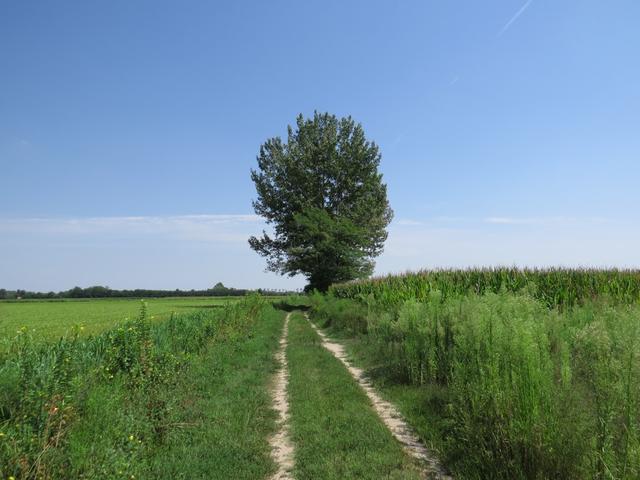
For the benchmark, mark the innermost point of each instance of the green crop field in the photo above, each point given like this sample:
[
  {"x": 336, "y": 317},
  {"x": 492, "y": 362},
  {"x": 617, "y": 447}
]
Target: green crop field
[
  {"x": 54, "y": 318},
  {"x": 499, "y": 373}
]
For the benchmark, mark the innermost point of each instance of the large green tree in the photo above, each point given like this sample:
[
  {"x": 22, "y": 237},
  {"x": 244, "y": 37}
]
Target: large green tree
[{"x": 324, "y": 197}]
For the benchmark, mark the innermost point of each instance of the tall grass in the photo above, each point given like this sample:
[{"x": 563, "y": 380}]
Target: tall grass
[
  {"x": 528, "y": 392},
  {"x": 47, "y": 388},
  {"x": 555, "y": 287}
]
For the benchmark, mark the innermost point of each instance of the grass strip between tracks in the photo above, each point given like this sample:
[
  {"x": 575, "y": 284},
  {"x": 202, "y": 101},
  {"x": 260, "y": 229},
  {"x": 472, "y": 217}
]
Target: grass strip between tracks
[{"x": 336, "y": 433}]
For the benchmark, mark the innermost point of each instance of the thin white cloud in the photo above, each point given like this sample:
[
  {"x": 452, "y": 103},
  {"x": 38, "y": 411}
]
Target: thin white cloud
[
  {"x": 514, "y": 18},
  {"x": 559, "y": 220},
  {"x": 465, "y": 222},
  {"x": 433, "y": 221},
  {"x": 523, "y": 221},
  {"x": 171, "y": 251},
  {"x": 408, "y": 222},
  {"x": 194, "y": 251},
  {"x": 227, "y": 228}
]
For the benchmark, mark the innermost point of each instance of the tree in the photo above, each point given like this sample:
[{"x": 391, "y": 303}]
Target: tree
[
  {"x": 76, "y": 292},
  {"x": 325, "y": 199},
  {"x": 219, "y": 288}
]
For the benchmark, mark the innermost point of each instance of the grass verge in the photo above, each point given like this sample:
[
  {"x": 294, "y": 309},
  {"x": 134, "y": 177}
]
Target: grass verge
[
  {"x": 226, "y": 411},
  {"x": 184, "y": 398}
]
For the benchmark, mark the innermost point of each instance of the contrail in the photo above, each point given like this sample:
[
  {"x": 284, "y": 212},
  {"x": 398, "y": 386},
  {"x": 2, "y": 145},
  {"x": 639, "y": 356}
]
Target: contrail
[{"x": 515, "y": 17}]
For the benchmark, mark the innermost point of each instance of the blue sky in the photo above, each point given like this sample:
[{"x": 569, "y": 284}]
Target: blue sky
[{"x": 510, "y": 131}]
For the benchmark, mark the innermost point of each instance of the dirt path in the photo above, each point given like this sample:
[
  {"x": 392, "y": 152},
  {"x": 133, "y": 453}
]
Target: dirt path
[
  {"x": 281, "y": 446},
  {"x": 388, "y": 413}
]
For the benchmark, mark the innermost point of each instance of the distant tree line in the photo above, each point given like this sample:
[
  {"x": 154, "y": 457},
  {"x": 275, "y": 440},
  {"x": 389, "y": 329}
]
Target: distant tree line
[{"x": 219, "y": 290}]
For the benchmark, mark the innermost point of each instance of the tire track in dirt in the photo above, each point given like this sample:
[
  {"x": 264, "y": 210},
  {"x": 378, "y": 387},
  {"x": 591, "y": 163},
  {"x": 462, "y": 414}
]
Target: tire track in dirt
[
  {"x": 281, "y": 446},
  {"x": 388, "y": 413}
]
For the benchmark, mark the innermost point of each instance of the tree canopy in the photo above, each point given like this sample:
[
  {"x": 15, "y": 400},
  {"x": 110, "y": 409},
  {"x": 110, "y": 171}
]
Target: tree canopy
[{"x": 324, "y": 197}]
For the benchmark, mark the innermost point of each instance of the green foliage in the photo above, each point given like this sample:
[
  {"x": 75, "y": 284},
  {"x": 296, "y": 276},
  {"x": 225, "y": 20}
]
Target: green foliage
[
  {"x": 224, "y": 417},
  {"x": 323, "y": 195},
  {"x": 125, "y": 375},
  {"x": 555, "y": 287},
  {"x": 524, "y": 391},
  {"x": 342, "y": 314}
]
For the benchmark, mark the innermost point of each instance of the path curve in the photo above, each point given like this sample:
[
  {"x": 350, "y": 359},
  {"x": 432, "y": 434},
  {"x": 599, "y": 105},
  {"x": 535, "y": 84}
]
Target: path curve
[
  {"x": 281, "y": 446},
  {"x": 387, "y": 413}
]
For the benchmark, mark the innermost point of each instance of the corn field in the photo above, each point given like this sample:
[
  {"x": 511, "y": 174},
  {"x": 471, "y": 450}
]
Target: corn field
[{"x": 555, "y": 287}]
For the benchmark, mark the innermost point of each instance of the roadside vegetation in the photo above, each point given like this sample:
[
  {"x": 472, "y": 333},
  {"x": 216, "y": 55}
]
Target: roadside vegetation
[
  {"x": 521, "y": 383},
  {"x": 225, "y": 414},
  {"x": 172, "y": 399}
]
